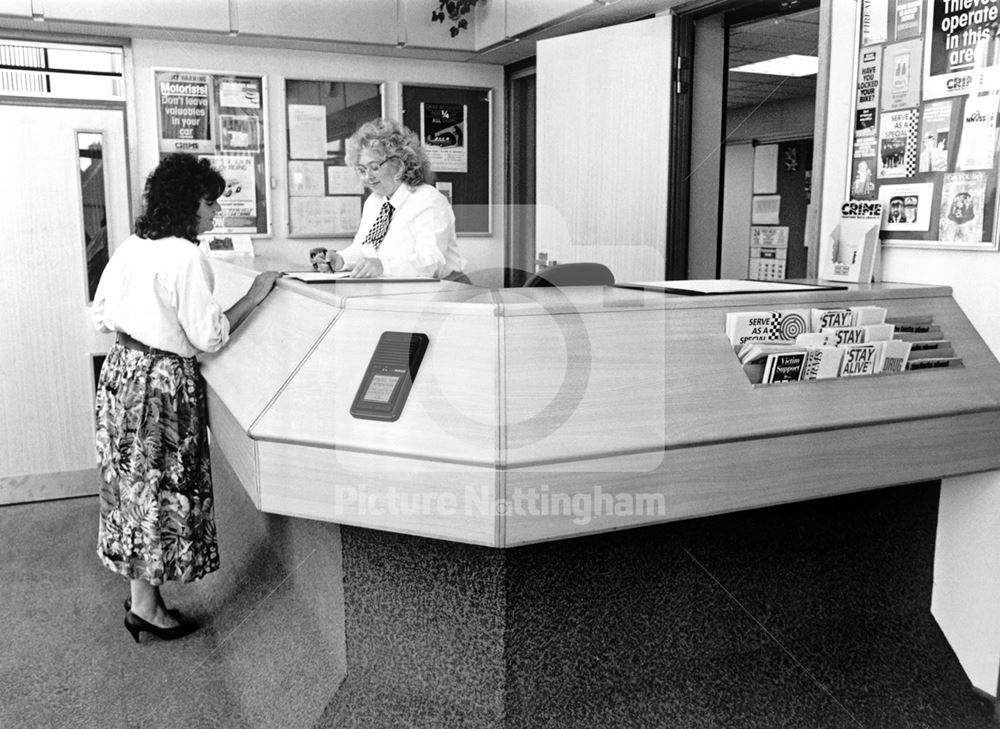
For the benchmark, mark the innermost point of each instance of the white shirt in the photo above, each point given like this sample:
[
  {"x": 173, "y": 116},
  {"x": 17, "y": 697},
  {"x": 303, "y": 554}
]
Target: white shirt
[
  {"x": 421, "y": 238},
  {"x": 160, "y": 292}
]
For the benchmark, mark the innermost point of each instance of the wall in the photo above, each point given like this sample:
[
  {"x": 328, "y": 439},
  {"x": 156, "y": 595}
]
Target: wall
[
  {"x": 788, "y": 119},
  {"x": 838, "y": 31},
  {"x": 708, "y": 85},
  {"x": 967, "y": 541},
  {"x": 276, "y": 65},
  {"x": 736, "y": 210},
  {"x": 974, "y": 276}
]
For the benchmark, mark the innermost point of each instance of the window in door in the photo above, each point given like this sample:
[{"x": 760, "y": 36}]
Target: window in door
[{"x": 90, "y": 153}]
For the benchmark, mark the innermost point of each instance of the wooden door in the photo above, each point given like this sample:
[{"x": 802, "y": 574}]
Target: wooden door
[
  {"x": 47, "y": 342},
  {"x": 602, "y": 147}
]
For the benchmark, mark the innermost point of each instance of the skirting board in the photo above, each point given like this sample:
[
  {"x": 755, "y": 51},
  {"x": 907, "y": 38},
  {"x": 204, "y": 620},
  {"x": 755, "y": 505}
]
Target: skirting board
[{"x": 48, "y": 486}]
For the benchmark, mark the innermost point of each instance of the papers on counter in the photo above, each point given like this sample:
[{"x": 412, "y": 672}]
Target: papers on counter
[
  {"x": 345, "y": 276},
  {"x": 697, "y": 287}
]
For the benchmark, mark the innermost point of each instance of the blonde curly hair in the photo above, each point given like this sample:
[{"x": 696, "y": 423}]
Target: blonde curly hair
[{"x": 389, "y": 138}]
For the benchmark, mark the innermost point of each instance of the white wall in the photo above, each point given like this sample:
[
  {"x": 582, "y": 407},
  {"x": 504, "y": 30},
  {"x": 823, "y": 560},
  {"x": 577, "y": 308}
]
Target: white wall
[
  {"x": 838, "y": 44},
  {"x": 966, "y": 583},
  {"x": 973, "y": 275},
  {"x": 276, "y": 65},
  {"x": 966, "y": 566},
  {"x": 736, "y": 211},
  {"x": 787, "y": 119}
]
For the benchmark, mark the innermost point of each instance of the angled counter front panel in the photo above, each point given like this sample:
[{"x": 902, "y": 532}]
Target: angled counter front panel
[
  {"x": 451, "y": 412},
  {"x": 593, "y": 394},
  {"x": 261, "y": 357},
  {"x": 432, "y": 472},
  {"x": 732, "y": 445}
]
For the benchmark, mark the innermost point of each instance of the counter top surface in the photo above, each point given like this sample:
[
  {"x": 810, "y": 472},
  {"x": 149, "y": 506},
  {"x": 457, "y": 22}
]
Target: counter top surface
[{"x": 457, "y": 298}]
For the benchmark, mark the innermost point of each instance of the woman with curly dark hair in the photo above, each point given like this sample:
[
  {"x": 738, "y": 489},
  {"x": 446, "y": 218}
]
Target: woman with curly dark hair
[
  {"x": 157, "y": 521},
  {"x": 407, "y": 226}
]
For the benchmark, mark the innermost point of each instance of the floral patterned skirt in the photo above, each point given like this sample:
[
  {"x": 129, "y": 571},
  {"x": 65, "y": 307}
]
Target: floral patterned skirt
[{"x": 157, "y": 517}]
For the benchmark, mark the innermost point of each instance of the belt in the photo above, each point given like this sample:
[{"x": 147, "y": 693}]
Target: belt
[{"x": 130, "y": 342}]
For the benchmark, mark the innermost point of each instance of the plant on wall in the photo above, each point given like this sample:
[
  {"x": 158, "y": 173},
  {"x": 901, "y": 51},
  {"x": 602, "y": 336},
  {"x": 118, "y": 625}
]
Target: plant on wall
[{"x": 454, "y": 10}]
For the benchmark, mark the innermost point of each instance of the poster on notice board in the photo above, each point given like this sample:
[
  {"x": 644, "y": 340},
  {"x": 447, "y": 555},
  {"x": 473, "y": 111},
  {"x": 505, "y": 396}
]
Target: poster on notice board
[
  {"x": 925, "y": 141},
  {"x": 444, "y": 135},
  {"x": 961, "y": 49},
  {"x": 184, "y": 103},
  {"x": 220, "y": 117}
]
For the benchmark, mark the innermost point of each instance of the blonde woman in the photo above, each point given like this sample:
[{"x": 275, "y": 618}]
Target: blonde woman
[{"x": 407, "y": 226}]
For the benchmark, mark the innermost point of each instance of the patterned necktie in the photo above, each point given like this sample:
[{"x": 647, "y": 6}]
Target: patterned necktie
[{"x": 381, "y": 226}]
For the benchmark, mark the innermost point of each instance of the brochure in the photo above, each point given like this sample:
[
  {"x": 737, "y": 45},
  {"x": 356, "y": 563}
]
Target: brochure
[{"x": 853, "y": 243}]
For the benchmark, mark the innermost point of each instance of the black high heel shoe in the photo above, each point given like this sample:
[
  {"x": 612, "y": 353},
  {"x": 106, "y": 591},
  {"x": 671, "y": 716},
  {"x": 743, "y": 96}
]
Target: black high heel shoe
[
  {"x": 128, "y": 608},
  {"x": 135, "y": 625}
]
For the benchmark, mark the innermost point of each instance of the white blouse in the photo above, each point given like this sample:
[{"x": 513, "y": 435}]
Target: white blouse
[
  {"x": 160, "y": 292},
  {"x": 421, "y": 238}
]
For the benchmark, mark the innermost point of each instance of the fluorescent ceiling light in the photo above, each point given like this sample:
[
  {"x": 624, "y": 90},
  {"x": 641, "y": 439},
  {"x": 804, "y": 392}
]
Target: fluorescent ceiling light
[{"x": 793, "y": 65}]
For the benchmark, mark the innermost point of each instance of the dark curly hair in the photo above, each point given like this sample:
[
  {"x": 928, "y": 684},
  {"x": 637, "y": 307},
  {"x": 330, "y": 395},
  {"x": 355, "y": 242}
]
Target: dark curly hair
[{"x": 174, "y": 190}]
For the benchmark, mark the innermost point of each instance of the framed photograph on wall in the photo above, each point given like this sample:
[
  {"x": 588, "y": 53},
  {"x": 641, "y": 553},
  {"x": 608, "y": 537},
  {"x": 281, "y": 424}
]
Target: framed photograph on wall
[
  {"x": 220, "y": 117},
  {"x": 455, "y": 128},
  {"x": 925, "y": 140}
]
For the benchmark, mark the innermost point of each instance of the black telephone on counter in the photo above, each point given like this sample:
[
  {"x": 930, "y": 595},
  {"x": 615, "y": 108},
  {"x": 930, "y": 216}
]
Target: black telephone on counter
[{"x": 389, "y": 376}]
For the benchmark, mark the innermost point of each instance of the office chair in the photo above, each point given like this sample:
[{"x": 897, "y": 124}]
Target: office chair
[
  {"x": 499, "y": 278},
  {"x": 573, "y": 274},
  {"x": 458, "y": 277}
]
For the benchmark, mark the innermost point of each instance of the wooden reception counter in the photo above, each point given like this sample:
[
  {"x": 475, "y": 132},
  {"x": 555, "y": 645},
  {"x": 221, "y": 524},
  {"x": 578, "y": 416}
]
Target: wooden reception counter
[
  {"x": 484, "y": 548},
  {"x": 540, "y": 414}
]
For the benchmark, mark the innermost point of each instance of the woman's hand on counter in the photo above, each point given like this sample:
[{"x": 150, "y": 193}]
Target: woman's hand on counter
[{"x": 262, "y": 285}]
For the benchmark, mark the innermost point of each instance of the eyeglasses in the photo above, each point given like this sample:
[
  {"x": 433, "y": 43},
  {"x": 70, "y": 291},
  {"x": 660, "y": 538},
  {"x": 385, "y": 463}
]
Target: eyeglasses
[{"x": 371, "y": 168}]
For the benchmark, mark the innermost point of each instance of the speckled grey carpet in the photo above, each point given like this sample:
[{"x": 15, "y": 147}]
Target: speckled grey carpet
[
  {"x": 804, "y": 616},
  {"x": 269, "y": 652}
]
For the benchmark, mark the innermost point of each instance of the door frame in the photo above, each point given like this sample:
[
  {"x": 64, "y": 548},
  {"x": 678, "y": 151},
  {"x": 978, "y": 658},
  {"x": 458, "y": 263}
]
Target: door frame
[
  {"x": 739, "y": 11},
  {"x": 31, "y": 487},
  {"x": 519, "y": 143}
]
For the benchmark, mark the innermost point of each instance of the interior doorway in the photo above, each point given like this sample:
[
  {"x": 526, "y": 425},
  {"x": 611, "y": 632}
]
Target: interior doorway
[
  {"x": 752, "y": 129},
  {"x": 772, "y": 108}
]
